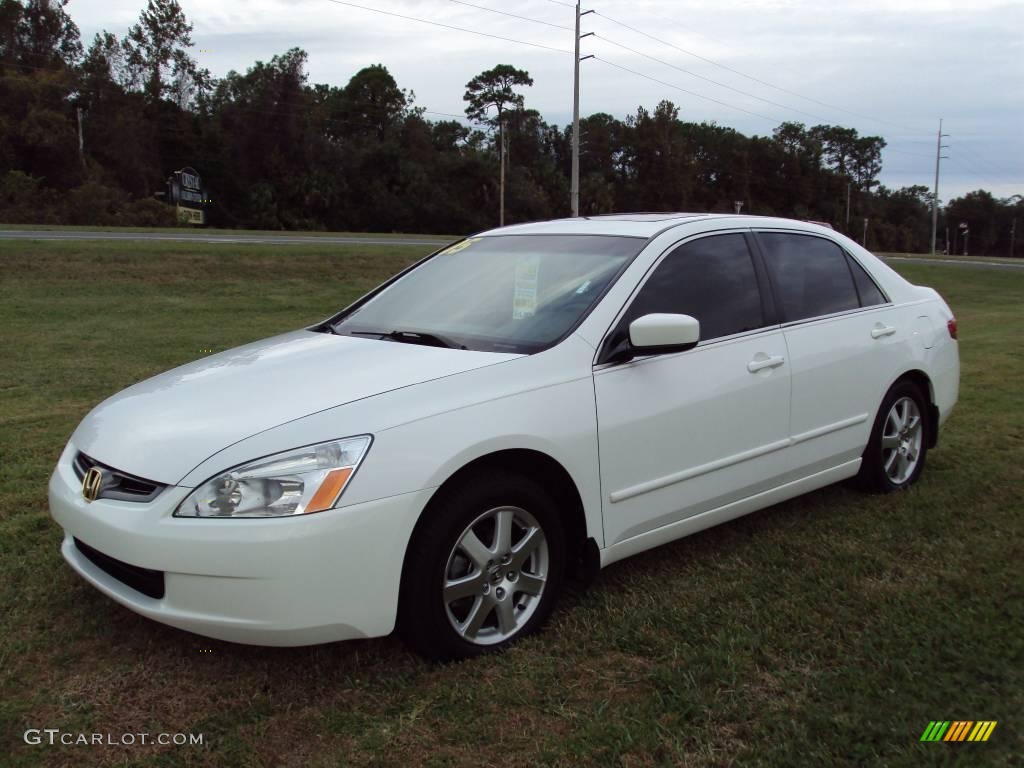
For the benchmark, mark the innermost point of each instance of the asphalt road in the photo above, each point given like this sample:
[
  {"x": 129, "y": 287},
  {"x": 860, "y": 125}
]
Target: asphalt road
[
  {"x": 200, "y": 237},
  {"x": 242, "y": 237}
]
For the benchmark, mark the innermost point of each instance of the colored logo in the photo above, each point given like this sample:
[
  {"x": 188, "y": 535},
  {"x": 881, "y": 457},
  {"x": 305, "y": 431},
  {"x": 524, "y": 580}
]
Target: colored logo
[{"x": 958, "y": 730}]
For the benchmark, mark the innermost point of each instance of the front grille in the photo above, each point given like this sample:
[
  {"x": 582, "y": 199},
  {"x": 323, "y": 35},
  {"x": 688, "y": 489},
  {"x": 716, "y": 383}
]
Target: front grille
[
  {"x": 117, "y": 484},
  {"x": 144, "y": 580}
]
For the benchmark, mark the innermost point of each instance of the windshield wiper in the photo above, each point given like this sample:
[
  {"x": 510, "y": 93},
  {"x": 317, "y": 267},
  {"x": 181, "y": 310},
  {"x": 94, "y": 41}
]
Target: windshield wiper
[{"x": 413, "y": 337}]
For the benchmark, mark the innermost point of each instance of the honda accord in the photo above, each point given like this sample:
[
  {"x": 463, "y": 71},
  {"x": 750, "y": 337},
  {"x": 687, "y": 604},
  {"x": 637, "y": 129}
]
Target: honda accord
[{"x": 524, "y": 405}]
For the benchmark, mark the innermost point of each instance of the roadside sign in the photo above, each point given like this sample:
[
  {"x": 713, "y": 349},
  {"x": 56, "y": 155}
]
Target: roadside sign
[{"x": 185, "y": 191}]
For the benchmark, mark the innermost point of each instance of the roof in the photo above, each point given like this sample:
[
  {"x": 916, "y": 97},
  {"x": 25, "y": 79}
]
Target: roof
[{"x": 647, "y": 224}]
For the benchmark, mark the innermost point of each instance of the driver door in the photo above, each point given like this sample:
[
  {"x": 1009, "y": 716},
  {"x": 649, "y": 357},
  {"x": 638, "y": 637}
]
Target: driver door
[{"x": 683, "y": 433}]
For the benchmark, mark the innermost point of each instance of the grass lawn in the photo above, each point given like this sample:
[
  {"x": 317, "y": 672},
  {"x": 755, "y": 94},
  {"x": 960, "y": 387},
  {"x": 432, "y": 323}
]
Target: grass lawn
[
  {"x": 954, "y": 258},
  {"x": 214, "y": 231},
  {"x": 825, "y": 631}
]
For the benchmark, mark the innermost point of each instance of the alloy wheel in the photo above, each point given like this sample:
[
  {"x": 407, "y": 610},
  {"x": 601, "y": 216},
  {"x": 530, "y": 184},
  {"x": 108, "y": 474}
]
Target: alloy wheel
[
  {"x": 902, "y": 437},
  {"x": 495, "y": 575}
]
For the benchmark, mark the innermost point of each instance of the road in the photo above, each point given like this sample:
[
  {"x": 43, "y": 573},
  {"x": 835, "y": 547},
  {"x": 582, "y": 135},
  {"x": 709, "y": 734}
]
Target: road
[
  {"x": 200, "y": 237},
  {"x": 295, "y": 239}
]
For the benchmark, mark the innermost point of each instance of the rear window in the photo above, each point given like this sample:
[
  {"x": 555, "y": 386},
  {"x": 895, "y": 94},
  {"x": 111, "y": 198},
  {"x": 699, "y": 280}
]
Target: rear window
[
  {"x": 810, "y": 275},
  {"x": 870, "y": 295}
]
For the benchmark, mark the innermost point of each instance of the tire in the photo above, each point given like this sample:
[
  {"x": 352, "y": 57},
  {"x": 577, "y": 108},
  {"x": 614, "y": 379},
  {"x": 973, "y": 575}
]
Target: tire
[
  {"x": 896, "y": 451},
  {"x": 464, "y": 591}
]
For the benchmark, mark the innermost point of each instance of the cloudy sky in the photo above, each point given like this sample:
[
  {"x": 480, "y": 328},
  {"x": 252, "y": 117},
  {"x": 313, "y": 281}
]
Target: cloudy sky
[{"x": 884, "y": 67}]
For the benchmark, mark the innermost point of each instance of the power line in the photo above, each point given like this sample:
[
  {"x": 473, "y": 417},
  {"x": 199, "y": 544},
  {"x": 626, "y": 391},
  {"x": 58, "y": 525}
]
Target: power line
[
  {"x": 887, "y": 148},
  {"x": 444, "y": 114},
  {"x": 725, "y": 104},
  {"x": 448, "y": 26},
  {"x": 751, "y": 77},
  {"x": 232, "y": 107},
  {"x": 708, "y": 79},
  {"x": 973, "y": 173},
  {"x": 985, "y": 165},
  {"x": 684, "y": 90},
  {"x": 669, "y": 64},
  {"x": 512, "y": 15}
]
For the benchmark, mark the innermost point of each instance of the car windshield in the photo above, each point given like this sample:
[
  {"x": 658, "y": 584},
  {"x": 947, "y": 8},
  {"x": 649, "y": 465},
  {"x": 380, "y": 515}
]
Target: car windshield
[{"x": 504, "y": 293}]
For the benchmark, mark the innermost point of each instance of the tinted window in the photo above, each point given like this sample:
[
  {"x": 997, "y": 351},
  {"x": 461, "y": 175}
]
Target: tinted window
[
  {"x": 809, "y": 274},
  {"x": 869, "y": 293},
  {"x": 711, "y": 279}
]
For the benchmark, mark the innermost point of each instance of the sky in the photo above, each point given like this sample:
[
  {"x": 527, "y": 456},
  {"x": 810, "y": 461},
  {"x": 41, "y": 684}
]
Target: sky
[{"x": 888, "y": 68}]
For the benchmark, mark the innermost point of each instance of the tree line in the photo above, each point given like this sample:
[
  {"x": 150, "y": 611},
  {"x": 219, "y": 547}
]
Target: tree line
[{"x": 89, "y": 135}]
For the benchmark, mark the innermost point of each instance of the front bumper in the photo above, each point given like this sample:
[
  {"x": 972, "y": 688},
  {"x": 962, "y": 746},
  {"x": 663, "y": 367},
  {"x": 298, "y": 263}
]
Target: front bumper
[{"x": 328, "y": 576}]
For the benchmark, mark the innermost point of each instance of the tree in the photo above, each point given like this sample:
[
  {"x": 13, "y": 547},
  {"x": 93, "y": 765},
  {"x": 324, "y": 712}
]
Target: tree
[
  {"x": 39, "y": 45},
  {"x": 155, "y": 51},
  {"x": 867, "y": 160},
  {"x": 373, "y": 101},
  {"x": 38, "y": 35},
  {"x": 496, "y": 88},
  {"x": 988, "y": 221},
  {"x": 277, "y": 151}
]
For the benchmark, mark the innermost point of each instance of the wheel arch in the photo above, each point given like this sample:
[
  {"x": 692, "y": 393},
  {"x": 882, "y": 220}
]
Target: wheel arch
[
  {"x": 581, "y": 548},
  {"x": 924, "y": 383}
]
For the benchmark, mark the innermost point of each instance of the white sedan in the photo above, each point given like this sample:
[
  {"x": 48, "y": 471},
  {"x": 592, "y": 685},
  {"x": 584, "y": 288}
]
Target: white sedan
[{"x": 529, "y": 403}]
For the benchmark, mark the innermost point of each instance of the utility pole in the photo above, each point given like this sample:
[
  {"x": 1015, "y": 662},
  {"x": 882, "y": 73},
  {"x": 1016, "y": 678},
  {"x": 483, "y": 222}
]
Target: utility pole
[
  {"x": 847, "y": 230},
  {"x": 864, "y": 239},
  {"x": 575, "y": 181},
  {"x": 939, "y": 146},
  {"x": 81, "y": 140},
  {"x": 501, "y": 191},
  {"x": 1013, "y": 235}
]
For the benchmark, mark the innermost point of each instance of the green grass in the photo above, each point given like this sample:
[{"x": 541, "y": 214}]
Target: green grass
[
  {"x": 213, "y": 231},
  {"x": 954, "y": 258},
  {"x": 825, "y": 631}
]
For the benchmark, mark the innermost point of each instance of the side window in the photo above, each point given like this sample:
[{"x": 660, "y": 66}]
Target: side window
[
  {"x": 810, "y": 275},
  {"x": 869, "y": 293},
  {"x": 711, "y": 279}
]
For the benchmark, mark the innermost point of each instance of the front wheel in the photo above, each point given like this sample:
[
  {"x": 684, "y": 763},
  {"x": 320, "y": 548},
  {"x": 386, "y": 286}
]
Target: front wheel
[
  {"x": 484, "y": 569},
  {"x": 896, "y": 451}
]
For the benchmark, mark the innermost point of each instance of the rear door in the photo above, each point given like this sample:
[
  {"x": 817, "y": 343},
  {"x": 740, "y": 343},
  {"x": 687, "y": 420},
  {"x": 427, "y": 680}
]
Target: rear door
[
  {"x": 683, "y": 433},
  {"x": 844, "y": 340}
]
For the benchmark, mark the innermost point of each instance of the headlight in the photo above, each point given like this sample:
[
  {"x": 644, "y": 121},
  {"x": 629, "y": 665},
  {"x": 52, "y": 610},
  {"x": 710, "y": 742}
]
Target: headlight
[{"x": 295, "y": 482}]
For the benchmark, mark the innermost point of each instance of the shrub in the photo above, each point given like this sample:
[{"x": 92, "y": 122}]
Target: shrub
[
  {"x": 93, "y": 204},
  {"x": 24, "y": 200},
  {"x": 147, "y": 212}
]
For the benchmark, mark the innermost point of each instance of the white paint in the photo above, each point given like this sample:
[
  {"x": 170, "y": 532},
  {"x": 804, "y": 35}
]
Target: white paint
[{"x": 686, "y": 440}]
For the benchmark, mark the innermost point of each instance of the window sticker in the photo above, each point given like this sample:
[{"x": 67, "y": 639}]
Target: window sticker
[
  {"x": 524, "y": 295},
  {"x": 460, "y": 246}
]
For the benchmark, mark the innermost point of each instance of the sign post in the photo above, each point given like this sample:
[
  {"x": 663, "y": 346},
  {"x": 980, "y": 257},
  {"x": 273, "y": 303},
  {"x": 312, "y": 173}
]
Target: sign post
[{"x": 185, "y": 191}]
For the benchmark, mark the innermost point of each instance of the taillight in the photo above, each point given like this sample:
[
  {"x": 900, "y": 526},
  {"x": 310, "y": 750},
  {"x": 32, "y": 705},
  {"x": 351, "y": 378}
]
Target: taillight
[{"x": 951, "y": 327}]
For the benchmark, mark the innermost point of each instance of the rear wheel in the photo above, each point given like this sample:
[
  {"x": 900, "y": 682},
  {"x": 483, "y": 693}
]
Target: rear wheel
[
  {"x": 484, "y": 570},
  {"x": 896, "y": 451}
]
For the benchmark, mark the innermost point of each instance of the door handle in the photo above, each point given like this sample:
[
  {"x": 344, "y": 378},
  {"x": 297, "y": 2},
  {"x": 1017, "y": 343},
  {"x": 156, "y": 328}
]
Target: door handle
[
  {"x": 759, "y": 364},
  {"x": 882, "y": 330}
]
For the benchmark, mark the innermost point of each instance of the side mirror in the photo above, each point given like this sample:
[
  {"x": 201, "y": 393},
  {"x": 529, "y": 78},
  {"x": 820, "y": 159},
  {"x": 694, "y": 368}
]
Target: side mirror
[{"x": 660, "y": 333}]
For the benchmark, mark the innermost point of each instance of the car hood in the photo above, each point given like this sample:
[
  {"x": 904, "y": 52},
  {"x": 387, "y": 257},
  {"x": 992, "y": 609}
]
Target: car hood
[{"x": 162, "y": 427}]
